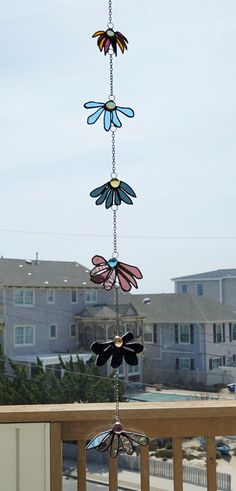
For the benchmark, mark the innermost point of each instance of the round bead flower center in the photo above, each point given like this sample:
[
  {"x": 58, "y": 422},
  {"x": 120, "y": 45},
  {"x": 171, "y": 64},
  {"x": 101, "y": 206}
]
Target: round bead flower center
[
  {"x": 118, "y": 341},
  {"x": 110, "y": 33},
  {"x": 110, "y": 106},
  {"x": 114, "y": 183},
  {"x": 112, "y": 262},
  {"x": 118, "y": 428}
]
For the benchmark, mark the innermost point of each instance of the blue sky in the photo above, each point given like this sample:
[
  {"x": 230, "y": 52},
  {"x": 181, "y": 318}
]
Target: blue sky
[{"x": 178, "y": 153}]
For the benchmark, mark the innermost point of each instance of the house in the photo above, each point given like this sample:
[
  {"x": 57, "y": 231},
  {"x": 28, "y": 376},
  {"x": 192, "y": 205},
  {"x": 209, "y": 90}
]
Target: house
[
  {"x": 38, "y": 304},
  {"x": 185, "y": 336},
  {"x": 219, "y": 285}
]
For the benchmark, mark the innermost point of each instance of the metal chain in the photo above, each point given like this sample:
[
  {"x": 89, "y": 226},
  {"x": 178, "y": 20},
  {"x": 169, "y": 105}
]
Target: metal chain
[
  {"x": 115, "y": 252},
  {"x": 111, "y": 77},
  {"x": 110, "y": 10},
  {"x": 113, "y": 153},
  {"x": 116, "y": 394}
]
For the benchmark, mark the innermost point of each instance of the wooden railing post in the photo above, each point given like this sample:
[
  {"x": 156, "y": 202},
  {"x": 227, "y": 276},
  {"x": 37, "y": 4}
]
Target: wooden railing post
[
  {"x": 177, "y": 463},
  {"x": 81, "y": 466},
  {"x": 144, "y": 465},
  {"x": 55, "y": 457},
  {"x": 113, "y": 474},
  {"x": 211, "y": 463}
]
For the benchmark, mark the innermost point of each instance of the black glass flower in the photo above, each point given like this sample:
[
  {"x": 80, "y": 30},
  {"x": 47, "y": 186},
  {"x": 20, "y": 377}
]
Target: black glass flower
[
  {"x": 117, "y": 440},
  {"x": 110, "y": 38},
  {"x": 118, "y": 348},
  {"x": 106, "y": 273},
  {"x": 113, "y": 193}
]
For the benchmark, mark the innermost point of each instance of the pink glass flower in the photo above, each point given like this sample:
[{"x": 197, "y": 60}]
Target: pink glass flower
[{"x": 107, "y": 272}]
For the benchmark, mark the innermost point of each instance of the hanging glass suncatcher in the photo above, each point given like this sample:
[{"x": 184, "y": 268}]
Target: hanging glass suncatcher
[{"x": 113, "y": 274}]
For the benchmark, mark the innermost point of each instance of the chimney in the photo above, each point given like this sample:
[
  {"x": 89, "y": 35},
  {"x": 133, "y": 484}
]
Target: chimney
[{"x": 37, "y": 258}]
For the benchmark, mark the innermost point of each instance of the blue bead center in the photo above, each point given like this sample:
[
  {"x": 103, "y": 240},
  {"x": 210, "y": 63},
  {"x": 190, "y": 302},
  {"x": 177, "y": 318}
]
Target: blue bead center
[{"x": 112, "y": 262}]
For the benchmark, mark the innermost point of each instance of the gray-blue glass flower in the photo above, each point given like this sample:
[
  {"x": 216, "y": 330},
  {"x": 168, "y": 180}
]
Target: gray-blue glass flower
[
  {"x": 110, "y": 113},
  {"x": 113, "y": 193}
]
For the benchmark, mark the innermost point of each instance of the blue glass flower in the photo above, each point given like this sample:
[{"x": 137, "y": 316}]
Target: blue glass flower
[
  {"x": 113, "y": 193},
  {"x": 110, "y": 113}
]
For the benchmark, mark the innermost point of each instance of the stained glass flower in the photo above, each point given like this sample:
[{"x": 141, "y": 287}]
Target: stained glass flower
[
  {"x": 107, "y": 272},
  {"x": 110, "y": 113},
  {"x": 113, "y": 193},
  {"x": 117, "y": 349},
  {"x": 110, "y": 38},
  {"x": 117, "y": 440}
]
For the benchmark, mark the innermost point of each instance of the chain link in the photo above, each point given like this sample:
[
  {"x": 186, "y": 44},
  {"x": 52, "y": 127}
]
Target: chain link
[
  {"x": 111, "y": 77},
  {"x": 110, "y": 10},
  {"x": 114, "y": 233},
  {"x": 113, "y": 152},
  {"x": 116, "y": 394}
]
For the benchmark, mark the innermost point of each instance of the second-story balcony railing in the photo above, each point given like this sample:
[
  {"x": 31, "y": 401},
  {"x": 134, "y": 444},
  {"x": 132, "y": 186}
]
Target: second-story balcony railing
[{"x": 79, "y": 422}]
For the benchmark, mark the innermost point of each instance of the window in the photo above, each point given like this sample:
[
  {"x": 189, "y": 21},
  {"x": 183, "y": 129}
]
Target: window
[
  {"x": 90, "y": 296},
  {"x": 73, "y": 330},
  {"x": 217, "y": 362},
  {"x": 121, "y": 370},
  {"x": 23, "y": 335},
  {"x": 184, "y": 363},
  {"x": 184, "y": 288},
  {"x": 50, "y": 296},
  {"x": 148, "y": 334},
  {"x": 219, "y": 333},
  {"x": 200, "y": 289},
  {"x": 184, "y": 333},
  {"x": 52, "y": 331},
  {"x": 233, "y": 332},
  {"x": 133, "y": 369},
  {"x": 24, "y": 297},
  {"x": 73, "y": 296}
]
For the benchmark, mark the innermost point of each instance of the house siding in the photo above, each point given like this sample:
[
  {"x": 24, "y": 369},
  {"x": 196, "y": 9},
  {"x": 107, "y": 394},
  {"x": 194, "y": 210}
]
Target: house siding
[{"x": 210, "y": 288}]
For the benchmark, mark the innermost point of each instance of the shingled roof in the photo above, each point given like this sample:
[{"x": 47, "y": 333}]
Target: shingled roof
[
  {"x": 104, "y": 311},
  {"x": 179, "y": 308},
  {"x": 217, "y": 274},
  {"x": 54, "y": 274}
]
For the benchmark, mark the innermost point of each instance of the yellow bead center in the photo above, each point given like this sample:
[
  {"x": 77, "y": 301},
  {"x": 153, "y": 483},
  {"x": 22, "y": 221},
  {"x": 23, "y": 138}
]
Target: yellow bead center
[
  {"x": 114, "y": 183},
  {"x": 118, "y": 341}
]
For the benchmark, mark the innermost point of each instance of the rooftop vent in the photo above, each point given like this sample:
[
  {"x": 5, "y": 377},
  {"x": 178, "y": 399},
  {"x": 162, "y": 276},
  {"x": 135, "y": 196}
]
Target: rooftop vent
[
  {"x": 146, "y": 300},
  {"x": 28, "y": 261}
]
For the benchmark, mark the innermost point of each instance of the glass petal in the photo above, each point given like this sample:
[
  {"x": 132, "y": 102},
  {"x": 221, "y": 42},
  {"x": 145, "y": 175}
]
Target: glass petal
[
  {"x": 98, "y": 33},
  {"x": 98, "y": 348},
  {"x": 110, "y": 280},
  {"x": 103, "y": 196},
  {"x": 124, "y": 197},
  {"x": 114, "y": 446},
  {"x": 96, "y": 440},
  {"x": 131, "y": 269},
  {"x": 126, "y": 110},
  {"x": 136, "y": 347},
  {"x": 127, "y": 444},
  {"x": 107, "y": 120},
  {"x": 105, "y": 444},
  {"x": 98, "y": 269},
  {"x": 130, "y": 357},
  {"x": 98, "y": 260},
  {"x": 117, "y": 358},
  {"x": 105, "y": 355},
  {"x": 115, "y": 119},
  {"x": 96, "y": 192},
  {"x": 124, "y": 283},
  {"x": 127, "y": 188},
  {"x": 128, "y": 336},
  {"x": 120, "y": 44},
  {"x": 94, "y": 117},
  {"x": 137, "y": 438},
  {"x": 92, "y": 104},
  {"x": 109, "y": 200},
  {"x": 117, "y": 199},
  {"x": 126, "y": 276}
]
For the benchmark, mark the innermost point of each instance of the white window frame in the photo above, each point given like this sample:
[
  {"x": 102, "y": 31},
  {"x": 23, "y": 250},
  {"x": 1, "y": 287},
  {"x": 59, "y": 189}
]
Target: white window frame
[
  {"x": 74, "y": 335},
  {"x": 180, "y": 326},
  {"x": 24, "y": 292},
  {"x": 220, "y": 328},
  {"x": 76, "y": 296},
  {"x": 24, "y": 327},
  {"x": 148, "y": 329},
  {"x": 50, "y": 335},
  {"x": 92, "y": 293},
  {"x": 53, "y": 296},
  {"x": 183, "y": 365},
  {"x": 216, "y": 363},
  {"x": 233, "y": 332}
]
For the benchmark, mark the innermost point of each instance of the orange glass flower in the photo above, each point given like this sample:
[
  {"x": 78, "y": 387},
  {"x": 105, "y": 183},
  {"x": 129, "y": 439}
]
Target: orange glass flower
[{"x": 110, "y": 38}]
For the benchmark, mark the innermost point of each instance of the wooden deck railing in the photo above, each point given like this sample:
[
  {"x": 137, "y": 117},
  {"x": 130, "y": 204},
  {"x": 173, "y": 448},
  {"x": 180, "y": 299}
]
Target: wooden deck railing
[{"x": 79, "y": 422}]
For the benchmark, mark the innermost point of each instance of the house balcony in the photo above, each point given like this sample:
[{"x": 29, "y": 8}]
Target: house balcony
[{"x": 32, "y": 459}]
